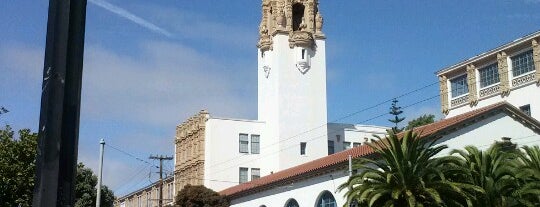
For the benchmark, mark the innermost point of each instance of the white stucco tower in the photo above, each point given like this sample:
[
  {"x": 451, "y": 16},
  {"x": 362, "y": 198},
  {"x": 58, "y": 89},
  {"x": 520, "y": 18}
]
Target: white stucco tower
[{"x": 292, "y": 80}]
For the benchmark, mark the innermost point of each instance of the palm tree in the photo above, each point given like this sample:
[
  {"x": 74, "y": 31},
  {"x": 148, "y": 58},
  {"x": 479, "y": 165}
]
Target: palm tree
[
  {"x": 529, "y": 176},
  {"x": 405, "y": 172},
  {"x": 493, "y": 170}
]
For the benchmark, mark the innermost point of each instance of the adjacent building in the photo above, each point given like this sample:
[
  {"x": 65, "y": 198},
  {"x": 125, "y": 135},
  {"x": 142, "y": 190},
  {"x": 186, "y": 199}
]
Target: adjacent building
[
  {"x": 149, "y": 195},
  {"x": 509, "y": 73}
]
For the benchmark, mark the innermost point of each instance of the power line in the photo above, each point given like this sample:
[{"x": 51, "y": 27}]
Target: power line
[{"x": 131, "y": 155}]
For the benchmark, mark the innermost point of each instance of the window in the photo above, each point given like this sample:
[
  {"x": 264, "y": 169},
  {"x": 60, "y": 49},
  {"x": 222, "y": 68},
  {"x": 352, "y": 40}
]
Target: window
[
  {"x": 489, "y": 75},
  {"x": 169, "y": 191},
  {"x": 330, "y": 147},
  {"x": 292, "y": 203},
  {"x": 526, "y": 109},
  {"x": 244, "y": 143},
  {"x": 255, "y": 173},
  {"x": 139, "y": 204},
  {"x": 338, "y": 137},
  {"x": 243, "y": 175},
  {"x": 346, "y": 145},
  {"x": 522, "y": 63},
  {"x": 326, "y": 200},
  {"x": 356, "y": 144},
  {"x": 255, "y": 146},
  {"x": 459, "y": 86},
  {"x": 302, "y": 148}
]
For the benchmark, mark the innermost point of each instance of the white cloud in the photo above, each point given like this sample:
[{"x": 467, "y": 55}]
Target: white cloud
[{"x": 130, "y": 16}]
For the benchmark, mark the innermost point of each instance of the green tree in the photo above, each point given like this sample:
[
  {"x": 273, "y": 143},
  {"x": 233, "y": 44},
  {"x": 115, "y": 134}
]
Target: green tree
[
  {"x": 395, "y": 110},
  {"x": 404, "y": 172},
  {"x": 200, "y": 196},
  {"x": 420, "y": 121},
  {"x": 86, "y": 191},
  {"x": 17, "y": 167},
  {"x": 528, "y": 174},
  {"x": 493, "y": 170}
]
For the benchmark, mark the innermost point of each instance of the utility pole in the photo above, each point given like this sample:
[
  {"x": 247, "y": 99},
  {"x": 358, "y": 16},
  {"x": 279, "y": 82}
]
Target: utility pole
[
  {"x": 56, "y": 161},
  {"x": 101, "y": 151},
  {"x": 160, "y": 158}
]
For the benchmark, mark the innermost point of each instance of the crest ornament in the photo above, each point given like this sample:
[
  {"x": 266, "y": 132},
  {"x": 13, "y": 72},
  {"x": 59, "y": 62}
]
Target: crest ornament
[{"x": 266, "y": 70}]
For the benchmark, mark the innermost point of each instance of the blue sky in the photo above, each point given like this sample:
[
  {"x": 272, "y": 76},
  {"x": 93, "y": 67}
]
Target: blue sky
[{"x": 151, "y": 64}]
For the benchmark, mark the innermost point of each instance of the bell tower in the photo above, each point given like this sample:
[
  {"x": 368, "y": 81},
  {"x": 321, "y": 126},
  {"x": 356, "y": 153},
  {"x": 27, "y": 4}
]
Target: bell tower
[{"x": 292, "y": 80}]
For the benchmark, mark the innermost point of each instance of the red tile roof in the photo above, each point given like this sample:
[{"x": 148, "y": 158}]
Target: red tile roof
[{"x": 331, "y": 161}]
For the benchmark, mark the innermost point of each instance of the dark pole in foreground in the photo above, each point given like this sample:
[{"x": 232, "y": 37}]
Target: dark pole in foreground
[
  {"x": 56, "y": 163},
  {"x": 160, "y": 158}
]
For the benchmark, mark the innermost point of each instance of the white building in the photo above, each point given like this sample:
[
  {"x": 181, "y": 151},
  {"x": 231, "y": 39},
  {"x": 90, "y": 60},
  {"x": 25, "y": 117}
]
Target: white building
[
  {"x": 509, "y": 73},
  {"x": 291, "y": 128},
  {"x": 315, "y": 183}
]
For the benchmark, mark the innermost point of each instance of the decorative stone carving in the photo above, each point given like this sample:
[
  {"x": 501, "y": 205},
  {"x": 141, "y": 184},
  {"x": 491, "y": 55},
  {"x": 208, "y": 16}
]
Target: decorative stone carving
[
  {"x": 300, "y": 39},
  {"x": 266, "y": 70},
  {"x": 471, "y": 82},
  {"x": 277, "y": 17},
  {"x": 189, "y": 145},
  {"x": 502, "y": 62},
  {"x": 459, "y": 101},
  {"x": 490, "y": 90},
  {"x": 536, "y": 59},
  {"x": 444, "y": 94},
  {"x": 524, "y": 79},
  {"x": 319, "y": 25}
]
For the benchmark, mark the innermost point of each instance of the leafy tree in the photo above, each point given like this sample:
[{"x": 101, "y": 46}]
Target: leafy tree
[
  {"x": 492, "y": 170},
  {"x": 86, "y": 191},
  {"x": 404, "y": 172},
  {"x": 420, "y": 121},
  {"x": 17, "y": 167},
  {"x": 395, "y": 110},
  {"x": 200, "y": 196}
]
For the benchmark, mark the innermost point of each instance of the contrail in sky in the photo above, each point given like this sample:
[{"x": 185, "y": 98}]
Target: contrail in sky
[{"x": 130, "y": 16}]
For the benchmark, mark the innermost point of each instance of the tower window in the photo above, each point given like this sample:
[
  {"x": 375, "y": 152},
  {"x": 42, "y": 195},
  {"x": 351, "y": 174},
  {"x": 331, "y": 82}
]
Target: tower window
[
  {"x": 302, "y": 148},
  {"x": 303, "y": 54},
  {"x": 298, "y": 14}
]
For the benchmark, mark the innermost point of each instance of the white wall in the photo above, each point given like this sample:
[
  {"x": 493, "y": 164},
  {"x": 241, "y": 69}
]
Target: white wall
[
  {"x": 484, "y": 133},
  {"x": 305, "y": 192},
  {"x": 222, "y": 156},
  {"x": 293, "y": 103}
]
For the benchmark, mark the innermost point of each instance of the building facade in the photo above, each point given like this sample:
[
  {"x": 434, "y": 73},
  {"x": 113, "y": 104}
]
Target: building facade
[
  {"x": 149, "y": 195},
  {"x": 509, "y": 73},
  {"x": 315, "y": 183}
]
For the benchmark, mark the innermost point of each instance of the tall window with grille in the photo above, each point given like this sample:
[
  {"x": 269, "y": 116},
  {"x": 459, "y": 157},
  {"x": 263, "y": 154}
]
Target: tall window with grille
[
  {"x": 255, "y": 144},
  {"x": 459, "y": 86},
  {"x": 522, "y": 63},
  {"x": 244, "y": 143},
  {"x": 489, "y": 75},
  {"x": 243, "y": 175},
  {"x": 302, "y": 148},
  {"x": 255, "y": 173}
]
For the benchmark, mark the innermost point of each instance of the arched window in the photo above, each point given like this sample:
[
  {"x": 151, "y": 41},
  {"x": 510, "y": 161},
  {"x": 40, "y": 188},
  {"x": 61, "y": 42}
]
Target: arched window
[
  {"x": 326, "y": 200},
  {"x": 298, "y": 14},
  {"x": 292, "y": 203}
]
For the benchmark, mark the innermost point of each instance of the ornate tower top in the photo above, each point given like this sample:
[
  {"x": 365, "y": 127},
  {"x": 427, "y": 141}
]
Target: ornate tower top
[{"x": 300, "y": 19}]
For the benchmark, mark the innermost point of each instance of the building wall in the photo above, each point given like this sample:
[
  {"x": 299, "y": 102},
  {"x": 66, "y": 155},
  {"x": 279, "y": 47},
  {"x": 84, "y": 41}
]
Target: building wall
[
  {"x": 484, "y": 133},
  {"x": 305, "y": 192},
  {"x": 481, "y": 134},
  {"x": 223, "y": 158}
]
